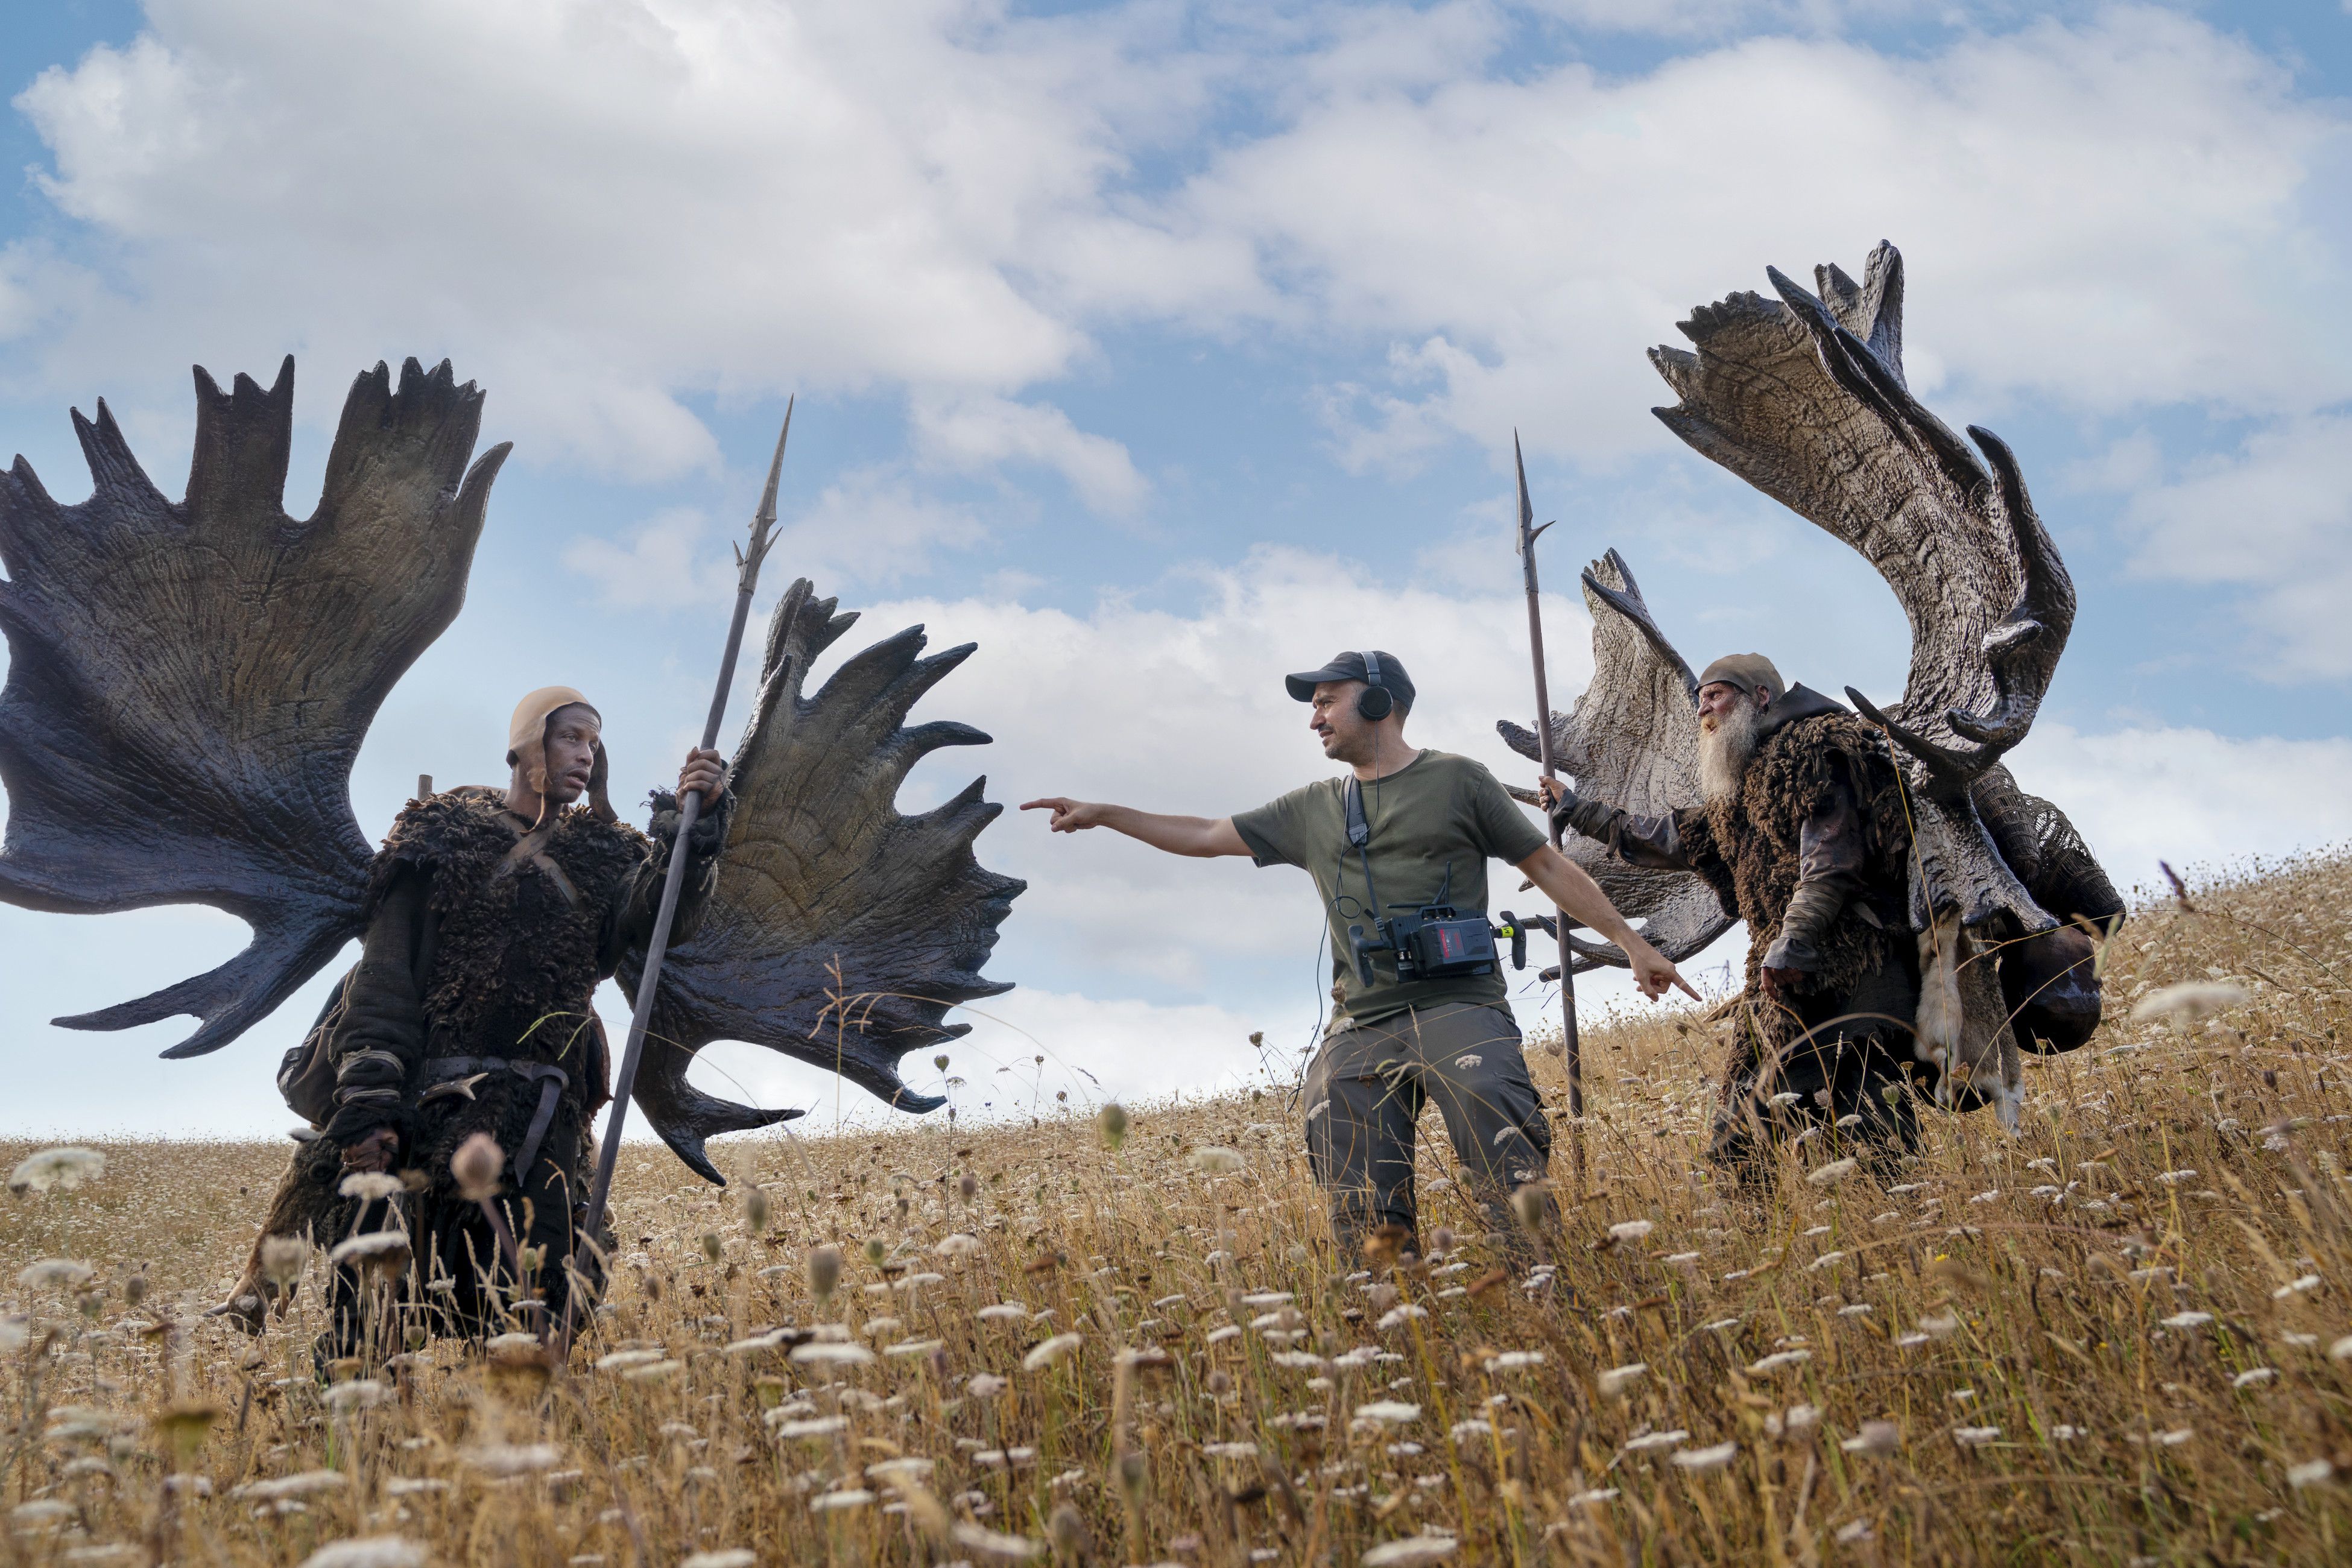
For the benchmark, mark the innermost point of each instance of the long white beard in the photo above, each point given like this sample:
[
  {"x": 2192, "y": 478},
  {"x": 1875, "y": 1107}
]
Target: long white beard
[{"x": 1725, "y": 751}]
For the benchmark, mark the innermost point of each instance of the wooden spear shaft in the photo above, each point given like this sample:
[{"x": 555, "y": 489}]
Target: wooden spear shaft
[
  {"x": 1570, "y": 1049},
  {"x": 747, "y": 581}
]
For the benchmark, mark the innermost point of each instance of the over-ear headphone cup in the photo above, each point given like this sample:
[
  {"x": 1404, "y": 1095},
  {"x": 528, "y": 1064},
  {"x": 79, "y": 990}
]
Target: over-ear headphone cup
[{"x": 1375, "y": 702}]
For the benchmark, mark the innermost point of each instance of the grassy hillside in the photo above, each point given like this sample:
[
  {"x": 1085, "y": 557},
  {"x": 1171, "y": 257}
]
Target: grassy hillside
[{"x": 2121, "y": 1337}]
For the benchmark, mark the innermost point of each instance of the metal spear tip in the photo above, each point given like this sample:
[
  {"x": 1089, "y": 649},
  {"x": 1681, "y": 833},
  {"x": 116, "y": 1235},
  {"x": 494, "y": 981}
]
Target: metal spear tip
[
  {"x": 1527, "y": 509},
  {"x": 766, "y": 516}
]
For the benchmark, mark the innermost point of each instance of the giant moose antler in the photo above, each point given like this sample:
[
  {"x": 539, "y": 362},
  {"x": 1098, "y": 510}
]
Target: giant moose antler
[
  {"x": 188, "y": 683},
  {"x": 1633, "y": 740},
  {"x": 841, "y": 932},
  {"x": 1805, "y": 399}
]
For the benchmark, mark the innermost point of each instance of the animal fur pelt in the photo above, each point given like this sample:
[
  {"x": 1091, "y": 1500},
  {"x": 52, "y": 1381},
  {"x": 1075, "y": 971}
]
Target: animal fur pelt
[{"x": 1748, "y": 843}]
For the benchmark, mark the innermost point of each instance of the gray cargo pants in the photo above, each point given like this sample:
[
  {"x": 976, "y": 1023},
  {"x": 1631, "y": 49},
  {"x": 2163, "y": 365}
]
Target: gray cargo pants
[{"x": 1363, "y": 1096}]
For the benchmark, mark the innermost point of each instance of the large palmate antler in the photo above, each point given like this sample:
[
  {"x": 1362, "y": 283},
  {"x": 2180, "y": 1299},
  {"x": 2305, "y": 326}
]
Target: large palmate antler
[
  {"x": 1805, "y": 399},
  {"x": 1633, "y": 740},
  {"x": 189, "y": 683},
  {"x": 840, "y": 932}
]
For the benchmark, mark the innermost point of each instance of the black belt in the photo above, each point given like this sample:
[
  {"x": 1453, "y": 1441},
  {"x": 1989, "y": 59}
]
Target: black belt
[{"x": 553, "y": 1082}]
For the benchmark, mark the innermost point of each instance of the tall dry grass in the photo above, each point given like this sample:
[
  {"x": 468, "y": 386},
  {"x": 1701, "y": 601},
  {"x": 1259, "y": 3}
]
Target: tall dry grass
[{"x": 2119, "y": 1337}]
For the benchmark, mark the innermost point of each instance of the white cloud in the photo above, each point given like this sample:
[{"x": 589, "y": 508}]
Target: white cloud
[
  {"x": 596, "y": 208},
  {"x": 2189, "y": 797},
  {"x": 980, "y": 433},
  {"x": 2273, "y": 519},
  {"x": 605, "y": 209},
  {"x": 2061, "y": 193},
  {"x": 662, "y": 565},
  {"x": 869, "y": 527}
]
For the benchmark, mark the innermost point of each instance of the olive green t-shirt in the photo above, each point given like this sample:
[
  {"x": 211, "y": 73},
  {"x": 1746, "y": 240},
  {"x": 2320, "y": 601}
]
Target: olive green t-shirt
[{"x": 1438, "y": 810}]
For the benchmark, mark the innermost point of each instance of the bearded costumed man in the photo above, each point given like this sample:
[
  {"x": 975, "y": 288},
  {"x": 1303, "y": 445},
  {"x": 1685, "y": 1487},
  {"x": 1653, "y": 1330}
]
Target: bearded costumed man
[
  {"x": 493, "y": 915},
  {"x": 1803, "y": 833}
]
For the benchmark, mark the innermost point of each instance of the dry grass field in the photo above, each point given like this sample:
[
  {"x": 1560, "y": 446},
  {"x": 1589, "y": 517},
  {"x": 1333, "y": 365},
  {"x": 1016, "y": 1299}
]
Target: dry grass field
[{"x": 2122, "y": 1336}]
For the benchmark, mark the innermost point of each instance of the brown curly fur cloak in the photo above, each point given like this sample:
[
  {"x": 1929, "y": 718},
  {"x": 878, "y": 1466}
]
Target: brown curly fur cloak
[
  {"x": 1747, "y": 847},
  {"x": 514, "y": 965}
]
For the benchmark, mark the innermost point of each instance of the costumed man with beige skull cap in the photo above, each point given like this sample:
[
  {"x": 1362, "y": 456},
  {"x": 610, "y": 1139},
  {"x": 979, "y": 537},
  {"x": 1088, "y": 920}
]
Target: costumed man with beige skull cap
[
  {"x": 1803, "y": 834},
  {"x": 492, "y": 915}
]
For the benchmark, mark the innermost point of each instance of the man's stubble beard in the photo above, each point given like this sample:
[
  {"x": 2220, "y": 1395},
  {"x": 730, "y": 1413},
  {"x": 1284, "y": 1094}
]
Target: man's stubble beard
[{"x": 1725, "y": 751}]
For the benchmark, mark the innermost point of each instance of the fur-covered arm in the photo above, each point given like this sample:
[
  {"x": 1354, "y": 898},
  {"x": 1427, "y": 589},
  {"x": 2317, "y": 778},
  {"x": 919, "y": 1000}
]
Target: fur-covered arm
[
  {"x": 1636, "y": 840},
  {"x": 378, "y": 1042},
  {"x": 1830, "y": 862},
  {"x": 631, "y": 924}
]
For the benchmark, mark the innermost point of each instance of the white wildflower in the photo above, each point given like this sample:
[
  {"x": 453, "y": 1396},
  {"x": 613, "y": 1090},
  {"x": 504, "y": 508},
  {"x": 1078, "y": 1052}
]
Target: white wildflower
[
  {"x": 831, "y": 1353},
  {"x": 1618, "y": 1378},
  {"x": 360, "y": 1394},
  {"x": 368, "y": 1552},
  {"x": 814, "y": 1427},
  {"x": 1943, "y": 1325},
  {"x": 1513, "y": 1361},
  {"x": 2253, "y": 1376},
  {"x": 1632, "y": 1229},
  {"x": 2174, "y": 1178},
  {"x": 371, "y": 1187},
  {"x": 514, "y": 1458},
  {"x": 1398, "y": 1317},
  {"x": 621, "y": 1360},
  {"x": 1652, "y": 1441},
  {"x": 824, "y": 1503},
  {"x": 2297, "y": 1286},
  {"x": 1216, "y": 1161},
  {"x": 62, "y": 1170},
  {"x": 1409, "y": 1551},
  {"x": 1975, "y": 1437},
  {"x": 1051, "y": 1352},
  {"x": 299, "y": 1485},
  {"x": 1836, "y": 1171},
  {"x": 1877, "y": 1438},
  {"x": 2311, "y": 1472},
  {"x": 1230, "y": 1450},
  {"x": 988, "y": 1543},
  {"x": 1388, "y": 1412},
  {"x": 55, "y": 1273},
  {"x": 726, "y": 1557},
  {"x": 959, "y": 1246},
  {"x": 1003, "y": 1313},
  {"x": 2188, "y": 1320},
  {"x": 1702, "y": 1459},
  {"x": 653, "y": 1371},
  {"x": 1775, "y": 1361},
  {"x": 2191, "y": 1003},
  {"x": 1593, "y": 1498},
  {"x": 984, "y": 1385}
]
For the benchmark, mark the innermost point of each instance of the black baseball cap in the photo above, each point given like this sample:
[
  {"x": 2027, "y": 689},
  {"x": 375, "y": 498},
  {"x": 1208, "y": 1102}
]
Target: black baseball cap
[{"x": 1351, "y": 667}]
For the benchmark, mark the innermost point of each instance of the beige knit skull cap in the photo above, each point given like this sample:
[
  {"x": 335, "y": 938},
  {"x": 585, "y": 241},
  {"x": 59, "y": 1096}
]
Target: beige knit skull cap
[
  {"x": 527, "y": 742},
  {"x": 1747, "y": 672}
]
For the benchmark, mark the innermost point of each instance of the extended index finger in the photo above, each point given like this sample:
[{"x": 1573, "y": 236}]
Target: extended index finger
[{"x": 1686, "y": 987}]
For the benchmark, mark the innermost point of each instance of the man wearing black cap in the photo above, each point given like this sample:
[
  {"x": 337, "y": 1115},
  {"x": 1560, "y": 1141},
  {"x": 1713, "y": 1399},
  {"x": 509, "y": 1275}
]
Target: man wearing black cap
[{"x": 1427, "y": 823}]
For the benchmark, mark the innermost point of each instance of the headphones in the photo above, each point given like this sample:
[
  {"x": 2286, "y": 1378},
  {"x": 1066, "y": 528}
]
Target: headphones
[{"x": 1375, "y": 702}]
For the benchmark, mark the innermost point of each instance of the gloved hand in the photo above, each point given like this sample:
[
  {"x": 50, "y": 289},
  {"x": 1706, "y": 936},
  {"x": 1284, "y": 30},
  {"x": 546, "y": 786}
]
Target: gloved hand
[{"x": 1558, "y": 797}]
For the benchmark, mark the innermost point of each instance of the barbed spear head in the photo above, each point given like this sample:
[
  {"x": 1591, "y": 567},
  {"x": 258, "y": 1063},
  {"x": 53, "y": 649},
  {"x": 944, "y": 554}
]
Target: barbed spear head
[
  {"x": 764, "y": 521},
  {"x": 1527, "y": 530}
]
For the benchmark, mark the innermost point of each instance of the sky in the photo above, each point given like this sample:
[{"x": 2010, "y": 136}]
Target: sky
[{"x": 1160, "y": 349}]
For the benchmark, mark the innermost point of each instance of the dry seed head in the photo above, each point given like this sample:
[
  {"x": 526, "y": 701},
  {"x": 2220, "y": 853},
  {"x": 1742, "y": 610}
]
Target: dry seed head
[
  {"x": 477, "y": 1166},
  {"x": 1067, "y": 1531},
  {"x": 712, "y": 1247},
  {"x": 823, "y": 1271},
  {"x": 1110, "y": 1125},
  {"x": 756, "y": 1211}
]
